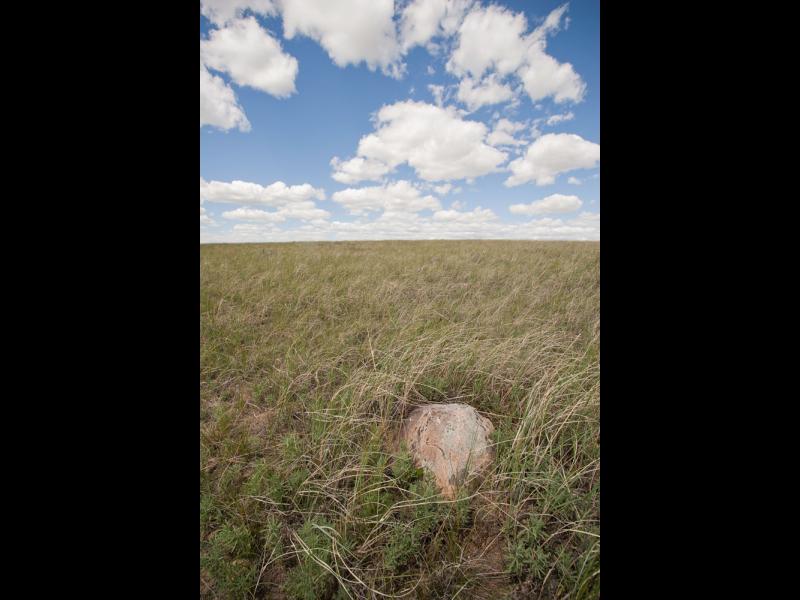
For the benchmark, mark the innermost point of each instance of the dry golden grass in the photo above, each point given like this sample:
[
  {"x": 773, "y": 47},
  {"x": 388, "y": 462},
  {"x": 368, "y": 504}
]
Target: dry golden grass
[{"x": 312, "y": 353}]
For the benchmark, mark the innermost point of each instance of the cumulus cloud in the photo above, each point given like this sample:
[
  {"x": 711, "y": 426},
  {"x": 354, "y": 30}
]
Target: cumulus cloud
[
  {"x": 544, "y": 76},
  {"x": 490, "y": 38},
  {"x": 247, "y": 193},
  {"x": 488, "y": 91},
  {"x": 551, "y": 24},
  {"x": 437, "y": 91},
  {"x": 254, "y": 214},
  {"x": 218, "y": 104},
  {"x": 475, "y": 216},
  {"x": 422, "y": 20},
  {"x": 503, "y": 133},
  {"x": 541, "y": 74},
  {"x": 251, "y": 56},
  {"x": 451, "y": 224},
  {"x": 435, "y": 141},
  {"x": 350, "y": 31},
  {"x": 205, "y": 219},
  {"x": 358, "y": 169},
  {"x": 304, "y": 211},
  {"x": 551, "y": 154},
  {"x": 493, "y": 39},
  {"x": 220, "y": 12},
  {"x": 574, "y": 181},
  {"x": 555, "y": 119},
  {"x": 586, "y": 226},
  {"x": 443, "y": 189},
  {"x": 398, "y": 197},
  {"x": 555, "y": 203}
]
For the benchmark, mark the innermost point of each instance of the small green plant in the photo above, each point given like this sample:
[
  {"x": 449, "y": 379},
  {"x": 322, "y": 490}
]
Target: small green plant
[
  {"x": 403, "y": 469},
  {"x": 264, "y": 481},
  {"x": 527, "y": 556},
  {"x": 402, "y": 546},
  {"x": 408, "y": 537},
  {"x": 209, "y": 512},
  {"x": 310, "y": 579},
  {"x": 433, "y": 388},
  {"x": 292, "y": 447},
  {"x": 230, "y": 561},
  {"x": 273, "y": 546},
  {"x": 427, "y": 511},
  {"x": 294, "y": 482},
  {"x": 230, "y": 480},
  {"x": 565, "y": 563}
]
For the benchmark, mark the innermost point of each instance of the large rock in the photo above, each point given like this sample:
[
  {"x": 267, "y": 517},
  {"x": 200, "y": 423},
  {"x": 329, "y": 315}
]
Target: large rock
[{"x": 451, "y": 440}]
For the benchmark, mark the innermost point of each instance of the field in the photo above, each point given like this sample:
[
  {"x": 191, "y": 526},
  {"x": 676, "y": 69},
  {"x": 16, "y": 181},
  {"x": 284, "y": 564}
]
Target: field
[{"x": 311, "y": 355}]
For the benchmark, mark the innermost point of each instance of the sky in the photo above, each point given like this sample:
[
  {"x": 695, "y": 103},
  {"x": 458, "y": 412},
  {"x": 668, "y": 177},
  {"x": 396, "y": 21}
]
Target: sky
[{"x": 405, "y": 119}]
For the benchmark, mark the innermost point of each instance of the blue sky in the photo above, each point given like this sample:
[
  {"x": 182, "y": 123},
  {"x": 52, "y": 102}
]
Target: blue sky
[{"x": 322, "y": 120}]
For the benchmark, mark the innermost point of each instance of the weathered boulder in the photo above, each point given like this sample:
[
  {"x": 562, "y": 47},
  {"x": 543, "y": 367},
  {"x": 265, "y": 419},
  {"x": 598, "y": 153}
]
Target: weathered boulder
[{"x": 451, "y": 440}]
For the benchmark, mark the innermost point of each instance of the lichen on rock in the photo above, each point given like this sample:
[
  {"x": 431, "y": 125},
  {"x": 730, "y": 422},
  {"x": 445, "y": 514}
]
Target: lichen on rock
[{"x": 450, "y": 440}]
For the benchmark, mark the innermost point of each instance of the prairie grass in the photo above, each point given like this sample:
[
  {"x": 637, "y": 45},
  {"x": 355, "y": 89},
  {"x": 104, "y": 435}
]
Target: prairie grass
[{"x": 312, "y": 353}]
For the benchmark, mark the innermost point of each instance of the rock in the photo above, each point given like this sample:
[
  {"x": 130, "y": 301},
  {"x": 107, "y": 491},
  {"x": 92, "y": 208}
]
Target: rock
[{"x": 451, "y": 440}]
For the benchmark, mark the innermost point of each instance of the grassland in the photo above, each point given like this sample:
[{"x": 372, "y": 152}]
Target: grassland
[{"x": 312, "y": 353}]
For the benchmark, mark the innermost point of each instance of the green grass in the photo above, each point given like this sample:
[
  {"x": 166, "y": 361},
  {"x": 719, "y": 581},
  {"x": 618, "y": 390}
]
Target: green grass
[{"x": 312, "y": 353}]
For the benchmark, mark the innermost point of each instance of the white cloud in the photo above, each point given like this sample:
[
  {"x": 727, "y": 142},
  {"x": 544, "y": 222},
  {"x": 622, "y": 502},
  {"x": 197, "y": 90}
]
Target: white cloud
[
  {"x": 438, "y": 93},
  {"x": 503, "y": 133},
  {"x": 247, "y": 193},
  {"x": 433, "y": 140},
  {"x": 398, "y": 197},
  {"x": 586, "y": 226},
  {"x": 247, "y": 228},
  {"x": 419, "y": 21},
  {"x": 358, "y": 169},
  {"x": 220, "y": 12},
  {"x": 254, "y": 214},
  {"x": 551, "y": 24},
  {"x": 443, "y": 189},
  {"x": 205, "y": 218},
  {"x": 551, "y": 154},
  {"x": 492, "y": 39},
  {"x": 555, "y": 119},
  {"x": 218, "y": 105},
  {"x": 555, "y": 203},
  {"x": 351, "y": 31},
  {"x": 304, "y": 211},
  {"x": 457, "y": 205},
  {"x": 430, "y": 70},
  {"x": 488, "y": 91},
  {"x": 453, "y": 224},
  {"x": 574, "y": 181},
  {"x": 475, "y": 216},
  {"x": 422, "y": 20},
  {"x": 544, "y": 76},
  {"x": 251, "y": 56}
]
